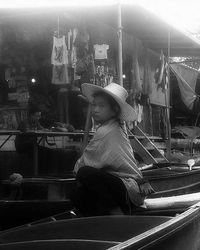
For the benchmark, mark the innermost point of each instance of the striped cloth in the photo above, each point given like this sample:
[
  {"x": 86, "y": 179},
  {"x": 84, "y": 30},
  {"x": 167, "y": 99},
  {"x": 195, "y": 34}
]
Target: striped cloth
[{"x": 111, "y": 147}]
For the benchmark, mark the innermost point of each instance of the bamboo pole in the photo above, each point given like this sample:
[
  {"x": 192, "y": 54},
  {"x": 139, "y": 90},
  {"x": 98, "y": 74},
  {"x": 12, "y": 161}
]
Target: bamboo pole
[
  {"x": 167, "y": 98},
  {"x": 120, "y": 76},
  {"x": 87, "y": 128},
  {"x": 120, "y": 59},
  {"x": 58, "y": 28}
]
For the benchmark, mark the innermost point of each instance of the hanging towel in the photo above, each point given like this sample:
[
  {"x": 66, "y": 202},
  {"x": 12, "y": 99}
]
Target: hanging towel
[{"x": 187, "y": 78}]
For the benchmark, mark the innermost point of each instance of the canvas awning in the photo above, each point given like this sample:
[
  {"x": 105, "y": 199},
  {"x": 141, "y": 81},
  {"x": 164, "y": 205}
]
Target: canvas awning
[{"x": 136, "y": 21}]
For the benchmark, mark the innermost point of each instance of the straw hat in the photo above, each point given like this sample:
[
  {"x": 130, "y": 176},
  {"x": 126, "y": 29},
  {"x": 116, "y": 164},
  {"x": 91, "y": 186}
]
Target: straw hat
[{"x": 118, "y": 93}]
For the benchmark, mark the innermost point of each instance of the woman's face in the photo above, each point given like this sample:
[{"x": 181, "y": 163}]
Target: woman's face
[{"x": 101, "y": 109}]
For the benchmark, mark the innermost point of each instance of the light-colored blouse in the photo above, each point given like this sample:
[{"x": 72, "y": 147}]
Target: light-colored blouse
[{"x": 110, "y": 149}]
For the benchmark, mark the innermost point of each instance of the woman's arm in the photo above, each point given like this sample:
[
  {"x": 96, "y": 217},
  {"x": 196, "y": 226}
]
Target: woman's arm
[{"x": 145, "y": 187}]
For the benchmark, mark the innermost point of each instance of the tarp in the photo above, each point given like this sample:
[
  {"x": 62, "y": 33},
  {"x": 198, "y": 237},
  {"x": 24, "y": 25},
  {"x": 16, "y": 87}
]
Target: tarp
[{"x": 187, "y": 78}]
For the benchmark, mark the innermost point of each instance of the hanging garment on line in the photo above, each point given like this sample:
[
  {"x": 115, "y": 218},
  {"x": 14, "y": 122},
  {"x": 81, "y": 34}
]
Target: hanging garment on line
[
  {"x": 59, "y": 54},
  {"x": 159, "y": 74},
  {"x": 147, "y": 82},
  {"x": 136, "y": 77},
  {"x": 100, "y": 51},
  {"x": 60, "y": 74}
]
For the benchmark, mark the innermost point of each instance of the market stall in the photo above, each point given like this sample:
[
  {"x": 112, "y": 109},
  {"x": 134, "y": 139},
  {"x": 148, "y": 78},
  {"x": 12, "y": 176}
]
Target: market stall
[{"x": 47, "y": 55}]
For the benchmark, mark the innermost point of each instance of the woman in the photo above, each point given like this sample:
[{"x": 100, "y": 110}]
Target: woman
[{"x": 109, "y": 181}]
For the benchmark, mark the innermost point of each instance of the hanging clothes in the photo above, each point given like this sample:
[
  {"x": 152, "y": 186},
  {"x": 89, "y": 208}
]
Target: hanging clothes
[
  {"x": 60, "y": 74},
  {"x": 147, "y": 85},
  {"x": 82, "y": 41},
  {"x": 59, "y": 59},
  {"x": 136, "y": 80},
  {"x": 159, "y": 74},
  {"x": 100, "y": 51},
  {"x": 59, "y": 54}
]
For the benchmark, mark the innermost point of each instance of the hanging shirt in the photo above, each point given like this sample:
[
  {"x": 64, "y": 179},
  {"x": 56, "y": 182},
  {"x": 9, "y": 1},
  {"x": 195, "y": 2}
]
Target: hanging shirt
[
  {"x": 59, "y": 54},
  {"x": 110, "y": 149},
  {"x": 100, "y": 51}
]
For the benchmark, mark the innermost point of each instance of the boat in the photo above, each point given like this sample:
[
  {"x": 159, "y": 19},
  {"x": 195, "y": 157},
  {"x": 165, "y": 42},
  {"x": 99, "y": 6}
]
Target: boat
[
  {"x": 169, "y": 179},
  {"x": 43, "y": 196},
  {"x": 14, "y": 213},
  {"x": 59, "y": 244},
  {"x": 34, "y": 199},
  {"x": 110, "y": 232}
]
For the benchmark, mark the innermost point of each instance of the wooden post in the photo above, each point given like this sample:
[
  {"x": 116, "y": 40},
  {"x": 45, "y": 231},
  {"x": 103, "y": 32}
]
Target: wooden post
[
  {"x": 87, "y": 128},
  {"x": 120, "y": 60},
  {"x": 58, "y": 28},
  {"x": 167, "y": 101}
]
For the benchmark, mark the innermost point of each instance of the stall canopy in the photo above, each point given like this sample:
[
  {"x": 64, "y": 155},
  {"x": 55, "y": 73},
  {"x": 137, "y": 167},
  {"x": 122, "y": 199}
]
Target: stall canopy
[{"x": 137, "y": 21}]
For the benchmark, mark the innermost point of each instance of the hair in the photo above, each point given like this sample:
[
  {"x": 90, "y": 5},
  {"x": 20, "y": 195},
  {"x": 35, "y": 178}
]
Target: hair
[{"x": 113, "y": 104}]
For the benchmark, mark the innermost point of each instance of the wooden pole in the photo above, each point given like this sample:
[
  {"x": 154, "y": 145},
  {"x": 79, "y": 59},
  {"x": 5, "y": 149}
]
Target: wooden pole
[
  {"x": 87, "y": 128},
  {"x": 120, "y": 60},
  {"x": 58, "y": 27},
  {"x": 167, "y": 99},
  {"x": 120, "y": 76}
]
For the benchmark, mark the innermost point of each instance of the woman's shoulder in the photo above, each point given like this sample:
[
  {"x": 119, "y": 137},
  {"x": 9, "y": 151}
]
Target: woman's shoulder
[{"x": 105, "y": 130}]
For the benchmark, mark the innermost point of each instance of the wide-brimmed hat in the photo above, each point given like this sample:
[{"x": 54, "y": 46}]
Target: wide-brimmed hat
[{"x": 117, "y": 92}]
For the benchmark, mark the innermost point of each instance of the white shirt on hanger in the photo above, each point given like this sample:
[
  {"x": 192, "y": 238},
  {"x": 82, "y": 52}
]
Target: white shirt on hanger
[{"x": 100, "y": 51}]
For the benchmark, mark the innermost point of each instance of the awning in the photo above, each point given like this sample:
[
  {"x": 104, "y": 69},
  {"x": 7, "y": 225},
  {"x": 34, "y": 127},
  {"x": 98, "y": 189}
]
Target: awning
[
  {"x": 136, "y": 21},
  {"x": 187, "y": 78}
]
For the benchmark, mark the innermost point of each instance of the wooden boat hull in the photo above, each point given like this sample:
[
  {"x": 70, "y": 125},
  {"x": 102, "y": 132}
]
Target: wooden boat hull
[
  {"x": 123, "y": 232},
  {"x": 167, "y": 181},
  {"x": 109, "y": 228},
  {"x": 15, "y": 213},
  {"x": 59, "y": 245},
  {"x": 181, "y": 232},
  {"x": 175, "y": 180},
  {"x": 54, "y": 193}
]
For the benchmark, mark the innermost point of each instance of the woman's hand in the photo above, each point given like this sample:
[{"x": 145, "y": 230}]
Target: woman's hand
[{"x": 146, "y": 189}]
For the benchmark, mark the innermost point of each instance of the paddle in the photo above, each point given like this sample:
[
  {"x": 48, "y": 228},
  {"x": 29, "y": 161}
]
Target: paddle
[{"x": 161, "y": 165}]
